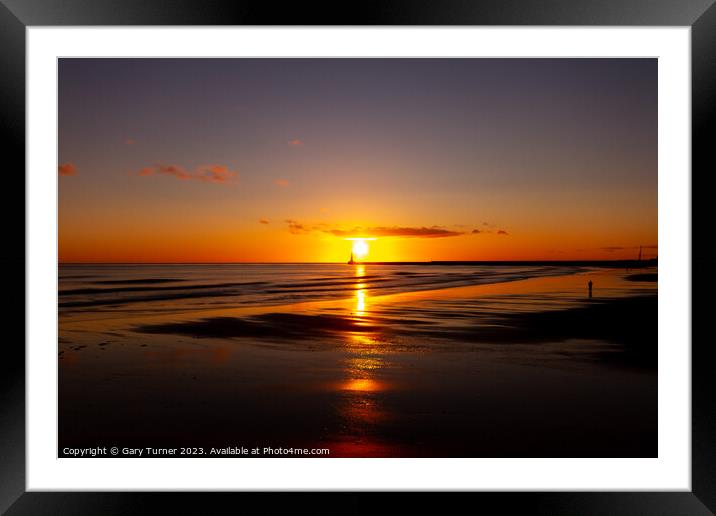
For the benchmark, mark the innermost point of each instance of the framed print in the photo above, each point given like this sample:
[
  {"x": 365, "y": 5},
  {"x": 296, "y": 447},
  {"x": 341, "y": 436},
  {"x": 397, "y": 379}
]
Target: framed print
[{"x": 446, "y": 249}]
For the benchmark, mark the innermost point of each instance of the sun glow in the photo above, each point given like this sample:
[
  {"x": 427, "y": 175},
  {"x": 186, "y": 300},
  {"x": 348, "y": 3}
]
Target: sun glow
[{"x": 360, "y": 248}]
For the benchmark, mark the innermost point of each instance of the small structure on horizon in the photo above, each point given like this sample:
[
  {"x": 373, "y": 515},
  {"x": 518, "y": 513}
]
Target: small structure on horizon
[
  {"x": 590, "y": 288},
  {"x": 351, "y": 261}
]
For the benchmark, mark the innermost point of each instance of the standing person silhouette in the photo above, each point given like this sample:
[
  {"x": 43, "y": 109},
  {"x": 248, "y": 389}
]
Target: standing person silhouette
[{"x": 590, "y": 288}]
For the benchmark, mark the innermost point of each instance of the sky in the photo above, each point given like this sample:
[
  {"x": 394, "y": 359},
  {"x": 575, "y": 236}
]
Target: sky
[{"x": 284, "y": 160}]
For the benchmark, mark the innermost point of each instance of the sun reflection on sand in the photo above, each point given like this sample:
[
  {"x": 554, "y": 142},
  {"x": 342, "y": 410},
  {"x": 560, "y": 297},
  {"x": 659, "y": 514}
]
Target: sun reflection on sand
[
  {"x": 362, "y": 386},
  {"x": 360, "y": 288},
  {"x": 360, "y": 302},
  {"x": 361, "y": 408}
]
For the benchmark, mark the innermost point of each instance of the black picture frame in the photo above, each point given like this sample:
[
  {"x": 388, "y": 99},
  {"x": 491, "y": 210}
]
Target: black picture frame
[{"x": 17, "y": 15}]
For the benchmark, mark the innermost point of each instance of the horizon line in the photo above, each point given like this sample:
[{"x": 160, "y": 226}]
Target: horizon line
[{"x": 404, "y": 262}]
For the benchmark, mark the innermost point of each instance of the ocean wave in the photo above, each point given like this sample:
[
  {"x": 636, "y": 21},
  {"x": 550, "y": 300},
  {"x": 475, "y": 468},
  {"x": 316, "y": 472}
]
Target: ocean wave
[{"x": 257, "y": 284}]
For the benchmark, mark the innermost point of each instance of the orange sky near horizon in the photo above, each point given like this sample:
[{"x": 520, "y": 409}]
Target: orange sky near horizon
[
  {"x": 203, "y": 242},
  {"x": 290, "y": 223},
  {"x": 283, "y": 225},
  {"x": 386, "y": 250}
]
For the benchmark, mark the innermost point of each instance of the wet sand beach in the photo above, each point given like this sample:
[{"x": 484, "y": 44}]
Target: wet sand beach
[{"x": 365, "y": 360}]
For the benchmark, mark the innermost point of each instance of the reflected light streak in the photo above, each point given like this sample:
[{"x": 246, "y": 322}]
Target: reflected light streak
[
  {"x": 362, "y": 385},
  {"x": 360, "y": 300},
  {"x": 360, "y": 291}
]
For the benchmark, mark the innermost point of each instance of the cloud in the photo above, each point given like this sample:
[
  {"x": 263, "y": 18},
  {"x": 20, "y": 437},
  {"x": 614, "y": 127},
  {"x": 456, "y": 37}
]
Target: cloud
[
  {"x": 295, "y": 143},
  {"x": 283, "y": 183},
  {"x": 612, "y": 248},
  {"x": 67, "y": 169},
  {"x": 395, "y": 231},
  {"x": 488, "y": 231},
  {"x": 215, "y": 174},
  {"x": 298, "y": 228},
  {"x": 263, "y": 221},
  {"x": 130, "y": 141},
  {"x": 172, "y": 170},
  {"x": 211, "y": 173}
]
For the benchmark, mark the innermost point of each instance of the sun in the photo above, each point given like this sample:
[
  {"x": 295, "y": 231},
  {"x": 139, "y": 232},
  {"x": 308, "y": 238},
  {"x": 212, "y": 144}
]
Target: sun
[{"x": 360, "y": 248}]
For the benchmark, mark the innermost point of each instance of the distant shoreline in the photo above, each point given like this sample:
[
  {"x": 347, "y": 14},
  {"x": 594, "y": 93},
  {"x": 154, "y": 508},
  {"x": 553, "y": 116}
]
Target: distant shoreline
[{"x": 586, "y": 263}]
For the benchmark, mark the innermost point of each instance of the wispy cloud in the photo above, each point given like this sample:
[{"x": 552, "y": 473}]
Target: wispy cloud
[
  {"x": 67, "y": 169},
  {"x": 295, "y": 143},
  {"x": 298, "y": 228},
  {"x": 488, "y": 231},
  {"x": 263, "y": 221},
  {"x": 215, "y": 174},
  {"x": 396, "y": 231},
  {"x": 211, "y": 173},
  {"x": 130, "y": 141},
  {"x": 283, "y": 183},
  {"x": 170, "y": 170}
]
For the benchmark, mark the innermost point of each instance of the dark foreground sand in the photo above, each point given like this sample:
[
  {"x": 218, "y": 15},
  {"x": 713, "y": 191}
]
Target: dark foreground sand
[{"x": 629, "y": 322}]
